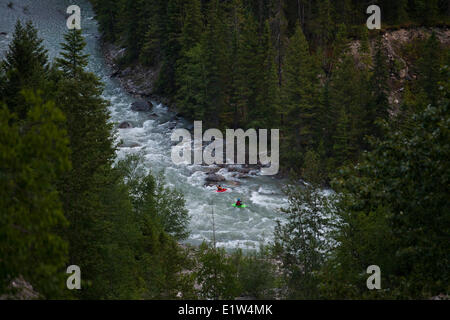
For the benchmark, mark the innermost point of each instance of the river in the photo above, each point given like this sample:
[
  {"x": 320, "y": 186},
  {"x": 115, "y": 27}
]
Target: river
[{"x": 244, "y": 228}]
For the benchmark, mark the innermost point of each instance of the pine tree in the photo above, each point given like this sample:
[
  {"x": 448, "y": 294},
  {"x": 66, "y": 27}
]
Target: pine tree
[
  {"x": 192, "y": 25},
  {"x": 25, "y": 67},
  {"x": 302, "y": 243},
  {"x": 349, "y": 97},
  {"x": 192, "y": 82},
  {"x": 33, "y": 153},
  {"x": 325, "y": 22},
  {"x": 280, "y": 29},
  {"x": 170, "y": 47},
  {"x": 300, "y": 97},
  {"x": 107, "y": 14},
  {"x": 190, "y": 72},
  {"x": 344, "y": 140},
  {"x": 216, "y": 61},
  {"x": 248, "y": 65},
  {"x": 379, "y": 84},
  {"x": 85, "y": 187},
  {"x": 73, "y": 60},
  {"x": 429, "y": 69},
  {"x": 151, "y": 51},
  {"x": 267, "y": 99},
  {"x": 399, "y": 202}
]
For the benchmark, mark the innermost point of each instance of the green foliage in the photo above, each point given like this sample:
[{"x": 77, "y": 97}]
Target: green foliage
[
  {"x": 34, "y": 153},
  {"x": 73, "y": 60},
  {"x": 303, "y": 242},
  {"x": 216, "y": 274},
  {"x": 165, "y": 206},
  {"x": 398, "y": 196},
  {"x": 256, "y": 273},
  {"x": 25, "y": 67},
  {"x": 249, "y": 64},
  {"x": 300, "y": 94}
]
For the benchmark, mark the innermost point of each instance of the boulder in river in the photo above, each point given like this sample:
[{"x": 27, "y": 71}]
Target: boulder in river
[
  {"x": 214, "y": 177},
  {"x": 125, "y": 125},
  {"x": 239, "y": 169},
  {"x": 129, "y": 145},
  {"x": 240, "y": 175},
  {"x": 140, "y": 105}
]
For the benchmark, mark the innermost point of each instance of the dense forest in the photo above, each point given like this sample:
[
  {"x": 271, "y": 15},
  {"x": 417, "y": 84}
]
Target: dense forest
[
  {"x": 276, "y": 64},
  {"x": 239, "y": 63}
]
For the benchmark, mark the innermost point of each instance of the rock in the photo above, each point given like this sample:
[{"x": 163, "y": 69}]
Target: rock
[
  {"x": 238, "y": 169},
  {"x": 126, "y": 72},
  {"x": 3, "y": 33},
  {"x": 129, "y": 145},
  {"x": 125, "y": 125},
  {"x": 21, "y": 290},
  {"x": 209, "y": 170},
  {"x": 214, "y": 177},
  {"x": 140, "y": 105},
  {"x": 115, "y": 73}
]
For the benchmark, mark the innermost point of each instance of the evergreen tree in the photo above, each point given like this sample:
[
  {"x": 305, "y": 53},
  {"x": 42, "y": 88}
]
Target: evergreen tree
[
  {"x": 217, "y": 274},
  {"x": 33, "y": 153},
  {"x": 248, "y": 65},
  {"x": 73, "y": 60},
  {"x": 151, "y": 52},
  {"x": 192, "y": 25},
  {"x": 266, "y": 113},
  {"x": 396, "y": 200},
  {"x": 302, "y": 243},
  {"x": 84, "y": 187},
  {"x": 379, "y": 109},
  {"x": 349, "y": 99},
  {"x": 107, "y": 14},
  {"x": 25, "y": 67},
  {"x": 170, "y": 47},
  {"x": 216, "y": 57},
  {"x": 300, "y": 98},
  {"x": 429, "y": 68},
  {"x": 344, "y": 139}
]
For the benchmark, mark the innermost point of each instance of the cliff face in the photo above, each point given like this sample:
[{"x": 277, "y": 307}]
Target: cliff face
[{"x": 401, "y": 66}]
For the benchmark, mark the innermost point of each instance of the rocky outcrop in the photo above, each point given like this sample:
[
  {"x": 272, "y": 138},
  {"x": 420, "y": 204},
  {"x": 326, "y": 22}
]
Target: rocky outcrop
[
  {"x": 136, "y": 79},
  {"x": 20, "y": 290},
  {"x": 129, "y": 145},
  {"x": 125, "y": 125},
  {"x": 400, "y": 69},
  {"x": 141, "y": 105},
  {"x": 214, "y": 177}
]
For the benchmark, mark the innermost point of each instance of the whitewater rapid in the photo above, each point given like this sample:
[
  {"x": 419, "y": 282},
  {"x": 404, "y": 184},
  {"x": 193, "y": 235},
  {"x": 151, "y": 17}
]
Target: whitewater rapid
[{"x": 150, "y": 137}]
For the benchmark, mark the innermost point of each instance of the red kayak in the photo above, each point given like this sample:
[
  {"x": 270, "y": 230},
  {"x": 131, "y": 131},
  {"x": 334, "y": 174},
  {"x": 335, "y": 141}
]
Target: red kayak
[{"x": 223, "y": 190}]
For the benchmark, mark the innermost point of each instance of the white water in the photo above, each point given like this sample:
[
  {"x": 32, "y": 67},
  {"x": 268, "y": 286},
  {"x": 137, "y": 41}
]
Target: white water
[{"x": 245, "y": 228}]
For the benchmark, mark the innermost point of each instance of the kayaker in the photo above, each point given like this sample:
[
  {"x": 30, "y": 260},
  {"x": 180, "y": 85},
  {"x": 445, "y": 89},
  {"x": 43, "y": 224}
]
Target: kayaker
[{"x": 238, "y": 203}]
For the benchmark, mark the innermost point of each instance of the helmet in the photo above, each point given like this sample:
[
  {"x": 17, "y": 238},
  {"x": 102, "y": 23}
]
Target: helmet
[{"x": 239, "y": 199}]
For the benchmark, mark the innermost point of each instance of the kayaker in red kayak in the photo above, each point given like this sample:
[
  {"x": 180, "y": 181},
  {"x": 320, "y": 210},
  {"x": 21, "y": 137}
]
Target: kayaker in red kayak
[{"x": 220, "y": 189}]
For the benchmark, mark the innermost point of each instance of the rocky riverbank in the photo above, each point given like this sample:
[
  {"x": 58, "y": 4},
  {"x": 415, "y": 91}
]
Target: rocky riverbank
[
  {"x": 139, "y": 82},
  {"x": 136, "y": 79}
]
